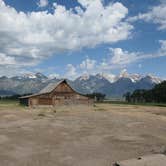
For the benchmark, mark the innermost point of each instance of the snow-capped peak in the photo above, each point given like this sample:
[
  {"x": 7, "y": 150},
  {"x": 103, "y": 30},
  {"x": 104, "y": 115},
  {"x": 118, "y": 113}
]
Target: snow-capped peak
[
  {"x": 124, "y": 74},
  {"x": 110, "y": 77},
  {"x": 135, "y": 77},
  {"x": 84, "y": 77},
  {"x": 132, "y": 77},
  {"x": 40, "y": 75},
  {"x": 30, "y": 75},
  {"x": 34, "y": 76},
  {"x": 154, "y": 79}
]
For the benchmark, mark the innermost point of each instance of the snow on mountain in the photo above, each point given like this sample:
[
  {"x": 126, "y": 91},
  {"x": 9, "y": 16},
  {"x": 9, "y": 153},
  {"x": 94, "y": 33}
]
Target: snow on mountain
[
  {"x": 53, "y": 76},
  {"x": 113, "y": 78},
  {"x": 34, "y": 76},
  {"x": 29, "y": 75},
  {"x": 132, "y": 77},
  {"x": 110, "y": 77},
  {"x": 135, "y": 77},
  {"x": 84, "y": 77},
  {"x": 41, "y": 76},
  {"x": 154, "y": 79},
  {"x": 124, "y": 74},
  {"x": 109, "y": 84}
]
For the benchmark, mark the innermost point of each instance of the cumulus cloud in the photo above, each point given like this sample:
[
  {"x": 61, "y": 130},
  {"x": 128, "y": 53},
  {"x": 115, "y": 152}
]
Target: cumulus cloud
[
  {"x": 34, "y": 36},
  {"x": 6, "y": 60},
  {"x": 42, "y": 3},
  {"x": 120, "y": 57},
  {"x": 109, "y": 76},
  {"x": 156, "y": 15},
  {"x": 11, "y": 70},
  {"x": 163, "y": 46},
  {"x": 55, "y": 75},
  {"x": 71, "y": 72},
  {"x": 88, "y": 64}
]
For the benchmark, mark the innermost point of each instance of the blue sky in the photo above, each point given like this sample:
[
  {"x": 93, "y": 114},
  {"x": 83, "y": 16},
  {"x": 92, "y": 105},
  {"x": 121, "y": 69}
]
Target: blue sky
[{"x": 68, "y": 38}]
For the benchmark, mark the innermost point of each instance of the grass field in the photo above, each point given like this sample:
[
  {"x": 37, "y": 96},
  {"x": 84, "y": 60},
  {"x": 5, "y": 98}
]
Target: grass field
[
  {"x": 79, "y": 135},
  {"x": 16, "y": 102},
  {"x": 143, "y": 104}
]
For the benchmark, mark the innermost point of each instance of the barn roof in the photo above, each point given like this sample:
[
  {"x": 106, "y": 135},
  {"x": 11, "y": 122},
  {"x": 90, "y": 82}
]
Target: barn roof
[{"x": 48, "y": 89}]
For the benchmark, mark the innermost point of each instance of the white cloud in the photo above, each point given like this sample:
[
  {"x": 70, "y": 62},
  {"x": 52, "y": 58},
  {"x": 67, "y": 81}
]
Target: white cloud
[
  {"x": 11, "y": 70},
  {"x": 6, "y": 60},
  {"x": 34, "y": 36},
  {"x": 42, "y": 3},
  {"x": 71, "y": 71},
  {"x": 156, "y": 15},
  {"x": 109, "y": 76},
  {"x": 163, "y": 46},
  {"x": 55, "y": 75},
  {"x": 118, "y": 59},
  {"x": 123, "y": 73},
  {"x": 88, "y": 64},
  {"x": 122, "y": 57}
]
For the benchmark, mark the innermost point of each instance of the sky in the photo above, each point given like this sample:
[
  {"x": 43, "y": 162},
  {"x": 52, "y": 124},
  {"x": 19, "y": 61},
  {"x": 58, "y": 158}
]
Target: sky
[{"x": 69, "y": 38}]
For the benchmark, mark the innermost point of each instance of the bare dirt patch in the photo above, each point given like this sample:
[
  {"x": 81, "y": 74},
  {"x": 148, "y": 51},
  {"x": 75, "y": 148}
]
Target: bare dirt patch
[{"x": 80, "y": 136}]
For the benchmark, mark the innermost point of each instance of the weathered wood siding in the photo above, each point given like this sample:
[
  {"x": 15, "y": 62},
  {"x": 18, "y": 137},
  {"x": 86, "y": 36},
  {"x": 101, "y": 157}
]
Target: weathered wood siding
[{"x": 63, "y": 94}]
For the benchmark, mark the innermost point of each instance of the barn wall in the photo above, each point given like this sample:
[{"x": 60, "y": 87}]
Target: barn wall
[
  {"x": 63, "y": 88},
  {"x": 40, "y": 100},
  {"x": 60, "y": 99},
  {"x": 62, "y": 95}
]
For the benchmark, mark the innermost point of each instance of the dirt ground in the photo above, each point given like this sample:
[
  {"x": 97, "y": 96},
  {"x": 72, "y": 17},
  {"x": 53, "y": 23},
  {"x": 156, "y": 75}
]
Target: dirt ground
[{"x": 80, "y": 136}]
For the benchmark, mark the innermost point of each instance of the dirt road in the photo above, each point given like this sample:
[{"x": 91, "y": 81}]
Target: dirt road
[{"x": 80, "y": 136}]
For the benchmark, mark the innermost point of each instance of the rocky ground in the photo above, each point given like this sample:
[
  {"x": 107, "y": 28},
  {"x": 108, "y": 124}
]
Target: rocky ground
[{"x": 79, "y": 136}]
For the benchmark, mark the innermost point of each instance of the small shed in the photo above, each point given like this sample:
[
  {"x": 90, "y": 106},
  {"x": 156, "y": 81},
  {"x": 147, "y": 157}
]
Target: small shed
[{"x": 60, "y": 93}]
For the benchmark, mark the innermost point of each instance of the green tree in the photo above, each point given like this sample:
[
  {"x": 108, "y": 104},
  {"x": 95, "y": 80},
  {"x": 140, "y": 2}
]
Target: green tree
[
  {"x": 127, "y": 96},
  {"x": 97, "y": 96}
]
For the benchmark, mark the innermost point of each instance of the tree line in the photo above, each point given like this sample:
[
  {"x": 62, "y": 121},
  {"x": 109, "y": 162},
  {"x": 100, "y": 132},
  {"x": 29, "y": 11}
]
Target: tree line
[
  {"x": 96, "y": 96},
  {"x": 13, "y": 97},
  {"x": 155, "y": 95}
]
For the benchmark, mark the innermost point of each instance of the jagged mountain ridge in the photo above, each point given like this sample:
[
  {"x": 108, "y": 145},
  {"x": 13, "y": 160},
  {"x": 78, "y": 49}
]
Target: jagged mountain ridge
[{"x": 116, "y": 87}]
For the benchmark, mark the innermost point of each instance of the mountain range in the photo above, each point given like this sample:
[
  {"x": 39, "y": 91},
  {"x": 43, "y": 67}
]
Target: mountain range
[{"x": 112, "y": 86}]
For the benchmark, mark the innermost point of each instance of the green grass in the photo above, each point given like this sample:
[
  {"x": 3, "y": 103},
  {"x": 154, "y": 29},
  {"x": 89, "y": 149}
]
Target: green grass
[
  {"x": 10, "y": 103},
  {"x": 142, "y": 104},
  {"x": 7, "y": 102}
]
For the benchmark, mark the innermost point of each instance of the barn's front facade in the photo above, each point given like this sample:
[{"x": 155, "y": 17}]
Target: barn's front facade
[{"x": 56, "y": 94}]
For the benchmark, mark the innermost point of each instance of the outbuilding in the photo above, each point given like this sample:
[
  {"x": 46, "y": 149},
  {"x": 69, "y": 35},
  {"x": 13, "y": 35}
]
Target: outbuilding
[{"x": 55, "y": 94}]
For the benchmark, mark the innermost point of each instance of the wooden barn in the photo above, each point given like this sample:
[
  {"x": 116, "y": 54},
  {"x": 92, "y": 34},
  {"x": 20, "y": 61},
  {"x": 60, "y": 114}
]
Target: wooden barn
[{"x": 55, "y": 94}]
